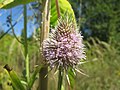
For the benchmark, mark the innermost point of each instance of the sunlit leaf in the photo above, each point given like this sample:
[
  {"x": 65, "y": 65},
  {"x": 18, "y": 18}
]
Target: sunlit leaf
[
  {"x": 6, "y": 4},
  {"x": 64, "y": 7},
  {"x": 16, "y": 83}
]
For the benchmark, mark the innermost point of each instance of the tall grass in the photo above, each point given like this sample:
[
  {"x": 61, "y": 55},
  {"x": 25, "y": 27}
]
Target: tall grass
[
  {"x": 104, "y": 73},
  {"x": 103, "y": 68}
]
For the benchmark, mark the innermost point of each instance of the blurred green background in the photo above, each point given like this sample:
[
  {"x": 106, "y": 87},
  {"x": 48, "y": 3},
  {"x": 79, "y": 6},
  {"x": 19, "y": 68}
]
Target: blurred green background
[{"x": 99, "y": 22}]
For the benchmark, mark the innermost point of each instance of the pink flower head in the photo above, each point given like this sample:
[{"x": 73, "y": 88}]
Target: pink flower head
[{"x": 64, "y": 47}]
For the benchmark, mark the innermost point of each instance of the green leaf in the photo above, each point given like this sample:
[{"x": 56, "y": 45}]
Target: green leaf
[
  {"x": 64, "y": 6},
  {"x": 6, "y": 4},
  {"x": 16, "y": 83},
  {"x": 71, "y": 77},
  {"x": 33, "y": 77}
]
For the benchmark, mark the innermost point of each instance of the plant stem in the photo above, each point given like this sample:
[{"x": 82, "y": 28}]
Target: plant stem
[
  {"x": 60, "y": 78},
  {"x": 43, "y": 81},
  {"x": 44, "y": 33},
  {"x": 26, "y": 45},
  {"x": 14, "y": 33},
  {"x": 57, "y": 8}
]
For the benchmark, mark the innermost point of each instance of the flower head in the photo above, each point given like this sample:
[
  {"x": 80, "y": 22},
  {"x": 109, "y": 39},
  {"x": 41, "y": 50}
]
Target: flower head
[{"x": 64, "y": 47}]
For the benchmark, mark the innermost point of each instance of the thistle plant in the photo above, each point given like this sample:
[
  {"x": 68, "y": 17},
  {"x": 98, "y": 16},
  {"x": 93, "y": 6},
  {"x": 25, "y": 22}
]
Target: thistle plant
[{"x": 64, "y": 48}]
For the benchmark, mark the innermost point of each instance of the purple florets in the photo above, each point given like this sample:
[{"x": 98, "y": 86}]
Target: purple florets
[{"x": 64, "y": 47}]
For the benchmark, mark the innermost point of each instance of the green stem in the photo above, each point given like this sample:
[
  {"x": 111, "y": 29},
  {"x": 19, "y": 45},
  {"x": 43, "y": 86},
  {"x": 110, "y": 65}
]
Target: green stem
[
  {"x": 26, "y": 45},
  {"x": 14, "y": 33},
  {"x": 60, "y": 78}
]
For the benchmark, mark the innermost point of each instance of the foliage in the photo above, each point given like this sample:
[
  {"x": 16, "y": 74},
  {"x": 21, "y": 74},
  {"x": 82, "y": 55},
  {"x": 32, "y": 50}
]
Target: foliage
[
  {"x": 6, "y": 4},
  {"x": 65, "y": 7},
  {"x": 104, "y": 71},
  {"x": 11, "y": 46},
  {"x": 5, "y": 83},
  {"x": 101, "y": 19},
  {"x": 16, "y": 82}
]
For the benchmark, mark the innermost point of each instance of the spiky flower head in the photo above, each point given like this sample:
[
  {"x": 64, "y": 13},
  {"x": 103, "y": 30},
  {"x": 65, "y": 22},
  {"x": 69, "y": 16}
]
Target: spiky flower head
[{"x": 64, "y": 48}]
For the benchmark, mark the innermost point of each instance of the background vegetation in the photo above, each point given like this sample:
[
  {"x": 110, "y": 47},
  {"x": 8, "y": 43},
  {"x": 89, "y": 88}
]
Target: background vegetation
[{"x": 99, "y": 22}]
